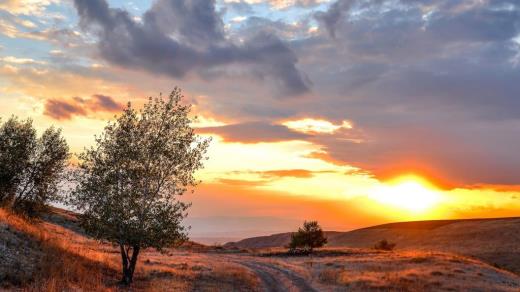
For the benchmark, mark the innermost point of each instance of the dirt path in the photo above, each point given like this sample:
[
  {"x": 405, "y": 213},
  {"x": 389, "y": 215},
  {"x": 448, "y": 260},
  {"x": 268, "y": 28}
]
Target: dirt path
[{"x": 275, "y": 278}]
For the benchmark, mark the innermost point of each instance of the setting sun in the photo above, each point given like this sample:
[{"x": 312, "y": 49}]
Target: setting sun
[{"x": 408, "y": 192}]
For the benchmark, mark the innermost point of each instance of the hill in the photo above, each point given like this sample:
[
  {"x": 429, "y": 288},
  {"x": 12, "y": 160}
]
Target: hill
[
  {"x": 54, "y": 254},
  {"x": 492, "y": 240}
]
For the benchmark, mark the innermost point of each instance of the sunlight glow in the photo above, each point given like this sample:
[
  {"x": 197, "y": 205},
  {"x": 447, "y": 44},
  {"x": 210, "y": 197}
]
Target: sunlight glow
[
  {"x": 309, "y": 125},
  {"x": 412, "y": 193}
]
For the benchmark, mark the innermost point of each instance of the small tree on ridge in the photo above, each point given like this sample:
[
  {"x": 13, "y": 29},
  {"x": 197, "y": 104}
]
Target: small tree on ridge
[
  {"x": 129, "y": 183},
  {"x": 309, "y": 237}
]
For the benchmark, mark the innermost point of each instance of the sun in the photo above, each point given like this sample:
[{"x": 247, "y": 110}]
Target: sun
[{"x": 409, "y": 192}]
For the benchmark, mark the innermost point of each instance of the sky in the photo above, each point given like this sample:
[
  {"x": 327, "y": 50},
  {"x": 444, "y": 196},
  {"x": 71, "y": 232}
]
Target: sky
[{"x": 349, "y": 112}]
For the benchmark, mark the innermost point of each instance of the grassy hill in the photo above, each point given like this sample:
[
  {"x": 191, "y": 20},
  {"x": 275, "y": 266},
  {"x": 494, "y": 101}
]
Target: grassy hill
[
  {"x": 54, "y": 254},
  {"x": 495, "y": 241}
]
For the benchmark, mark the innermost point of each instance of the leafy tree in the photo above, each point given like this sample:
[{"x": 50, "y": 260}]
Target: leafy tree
[
  {"x": 31, "y": 168},
  {"x": 309, "y": 237},
  {"x": 17, "y": 142},
  {"x": 129, "y": 182}
]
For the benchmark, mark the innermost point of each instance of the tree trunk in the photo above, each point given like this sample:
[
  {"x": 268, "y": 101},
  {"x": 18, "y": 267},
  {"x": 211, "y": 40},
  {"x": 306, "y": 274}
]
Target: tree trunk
[{"x": 128, "y": 263}]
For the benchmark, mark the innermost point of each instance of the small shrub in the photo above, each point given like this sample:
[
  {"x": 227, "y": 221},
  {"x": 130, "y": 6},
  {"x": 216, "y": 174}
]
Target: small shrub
[
  {"x": 384, "y": 245},
  {"x": 307, "y": 238}
]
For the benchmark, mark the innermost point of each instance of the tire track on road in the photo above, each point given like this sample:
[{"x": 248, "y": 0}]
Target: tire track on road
[{"x": 277, "y": 279}]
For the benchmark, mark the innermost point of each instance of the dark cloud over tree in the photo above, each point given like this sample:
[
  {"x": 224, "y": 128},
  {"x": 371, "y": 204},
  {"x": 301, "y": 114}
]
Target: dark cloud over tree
[{"x": 176, "y": 37}]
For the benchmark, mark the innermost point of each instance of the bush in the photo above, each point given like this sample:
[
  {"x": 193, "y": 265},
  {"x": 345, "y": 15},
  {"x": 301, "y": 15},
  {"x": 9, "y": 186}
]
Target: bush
[
  {"x": 307, "y": 238},
  {"x": 384, "y": 245}
]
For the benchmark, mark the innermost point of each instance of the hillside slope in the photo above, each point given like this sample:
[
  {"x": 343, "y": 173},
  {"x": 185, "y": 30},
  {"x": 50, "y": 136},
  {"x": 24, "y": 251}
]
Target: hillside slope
[
  {"x": 55, "y": 255},
  {"x": 495, "y": 241}
]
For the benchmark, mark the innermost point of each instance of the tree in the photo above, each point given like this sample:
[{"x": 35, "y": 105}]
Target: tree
[
  {"x": 31, "y": 168},
  {"x": 129, "y": 182},
  {"x": 309, "y": 237}
]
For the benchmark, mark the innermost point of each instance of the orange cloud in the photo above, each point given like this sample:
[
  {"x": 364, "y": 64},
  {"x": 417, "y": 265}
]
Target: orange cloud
[
  {"x": 298, "y": 173},
  {"x": 241, "y": 183},
  {"x": 77, "y": 106}
]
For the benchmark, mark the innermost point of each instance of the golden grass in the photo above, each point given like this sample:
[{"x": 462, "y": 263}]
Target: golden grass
[
  {"x": 66, "y": 260},
  {"x": 63, "y": 264},
  {"x": 411, "y": 271},
  {"x": 70, "y": 261}
]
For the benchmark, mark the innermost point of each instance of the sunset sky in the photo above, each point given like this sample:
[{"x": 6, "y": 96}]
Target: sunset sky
[{"x": 350, "y": 112}]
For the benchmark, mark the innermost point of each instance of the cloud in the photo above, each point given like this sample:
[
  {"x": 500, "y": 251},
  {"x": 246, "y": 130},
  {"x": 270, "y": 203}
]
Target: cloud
[
  {"x": 265, "y": 176},
  {"x": 458, "y": 156},
  {"x": 281, "y": 4},
  {"x": 254, "y": 132},
  {"x": 296, "y": 173},
  {"x": 431, "y": 86},
  {"x": 309, "y": 126},
  {"x": 332, "y": 16},
  {"x": 253, "y": 25},
  {"x": 449, "y": 21},
  {"x": 26, "y": 7},
  {"x": 100, "y": 102},
  {"x": 16, "y": 60},
  {"x": 240, "y": 6},
  {"x": 241, "y": 183},
  {"x": 179, "y": 37},
  {"x": 65, "y": 109}
]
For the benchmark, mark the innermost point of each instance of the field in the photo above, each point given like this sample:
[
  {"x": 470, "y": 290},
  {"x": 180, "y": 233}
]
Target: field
[
  {"x": 54, "y": 255},
  {"x": 494, "y": 241}
]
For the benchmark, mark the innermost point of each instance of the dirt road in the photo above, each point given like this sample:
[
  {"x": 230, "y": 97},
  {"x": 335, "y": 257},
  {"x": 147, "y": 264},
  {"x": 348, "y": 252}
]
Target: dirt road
[{"x": 274, "y": 278}]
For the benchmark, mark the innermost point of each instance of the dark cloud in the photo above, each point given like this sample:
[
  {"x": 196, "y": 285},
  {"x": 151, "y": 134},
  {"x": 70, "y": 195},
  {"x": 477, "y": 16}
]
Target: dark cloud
[
  {"x": 255, "y": 24},
  {"x": 333, "y": 15},
  {"x": 65, "y": 109},
  {"x": 104, "y": 103},
  {"x": 176, "y": 37},
  {"x": 254, "y": 132},
  {"x": 447, "y": 20},
  {"x": 434, "y": 87}
]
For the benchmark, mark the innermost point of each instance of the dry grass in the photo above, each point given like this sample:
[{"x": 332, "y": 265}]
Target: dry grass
[
  {"x": 411, "y": 271},
  {"x": 183, "y": 270},
  {"x": 54, "y": 255},
  {"x": 56, "y": 262},
  {"x": 58, "y": 257}
]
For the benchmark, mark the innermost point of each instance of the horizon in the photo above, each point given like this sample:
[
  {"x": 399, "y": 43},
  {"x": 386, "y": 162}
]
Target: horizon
[{"x": 352, "y": 113}]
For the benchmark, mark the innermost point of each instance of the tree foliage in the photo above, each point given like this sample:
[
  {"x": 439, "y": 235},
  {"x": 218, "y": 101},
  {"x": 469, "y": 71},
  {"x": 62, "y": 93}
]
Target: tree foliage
[
  {"x": 129, "y": 182},
  {"x": 308, "y": 237},
  {"x": 31, "y": 168}
]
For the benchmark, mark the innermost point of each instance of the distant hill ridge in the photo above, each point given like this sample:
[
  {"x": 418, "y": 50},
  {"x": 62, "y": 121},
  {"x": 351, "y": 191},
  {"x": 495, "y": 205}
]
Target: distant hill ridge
[{"x": 495, "y": 240}]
